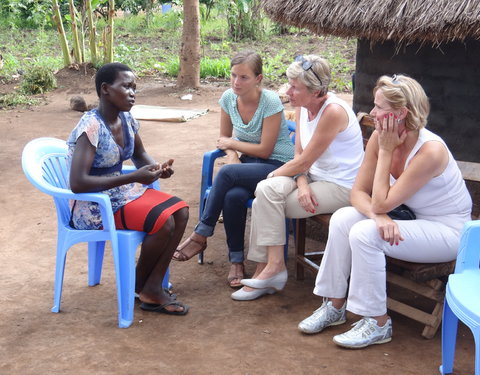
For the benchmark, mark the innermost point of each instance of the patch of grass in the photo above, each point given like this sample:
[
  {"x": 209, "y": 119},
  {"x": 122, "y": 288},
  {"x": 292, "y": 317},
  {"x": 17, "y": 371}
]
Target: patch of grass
[
  {"x": 22, "y": 48},
  {"x": 218, "y": 68},
  {"x": 10, "y": 66},
  {"x": 15, "y": 99},
  {"x": 149, "y": 26}
]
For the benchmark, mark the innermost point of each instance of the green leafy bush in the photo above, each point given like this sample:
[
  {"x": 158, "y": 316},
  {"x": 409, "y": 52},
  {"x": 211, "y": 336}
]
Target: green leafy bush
[
  {"x": 38, "y": 79},
  {"x": 16, "y": 99}
]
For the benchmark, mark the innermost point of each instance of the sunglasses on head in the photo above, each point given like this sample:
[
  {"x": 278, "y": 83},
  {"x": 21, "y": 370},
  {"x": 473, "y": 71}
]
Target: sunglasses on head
[{"x": 307, "y": 65}]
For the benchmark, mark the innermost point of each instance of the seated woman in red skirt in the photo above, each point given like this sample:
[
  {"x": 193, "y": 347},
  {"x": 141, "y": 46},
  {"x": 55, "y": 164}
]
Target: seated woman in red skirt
[{"x": 101, "y": 141}]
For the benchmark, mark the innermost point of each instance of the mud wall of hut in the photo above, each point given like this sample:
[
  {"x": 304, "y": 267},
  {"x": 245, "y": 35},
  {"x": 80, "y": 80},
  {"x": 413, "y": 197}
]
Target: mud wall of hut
[{"x": 450, "y": 75}]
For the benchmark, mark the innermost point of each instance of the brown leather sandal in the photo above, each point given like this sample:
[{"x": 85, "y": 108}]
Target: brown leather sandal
[
  {"x": 234, "y": 275},
  {"x": 181, "y": 255}
]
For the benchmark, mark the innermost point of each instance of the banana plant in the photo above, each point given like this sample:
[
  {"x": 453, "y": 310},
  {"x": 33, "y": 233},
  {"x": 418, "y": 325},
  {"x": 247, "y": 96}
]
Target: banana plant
[
  {"x": 90, "y": 5},
  {"x": 57, "y": 19},
  {"x": 78, "y": 52}
]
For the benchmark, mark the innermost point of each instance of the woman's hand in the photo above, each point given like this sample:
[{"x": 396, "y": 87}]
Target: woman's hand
[
  {"x": 306, "y": 198},
  {"x": 167, "y": 169},
  {"x": 148, "y": 173},
  {"x": 232, "y": 158},
  {"x": 388, "y": 229},
  {"x": 388, "y": 137},
  {"x": 224, "y": 143}
]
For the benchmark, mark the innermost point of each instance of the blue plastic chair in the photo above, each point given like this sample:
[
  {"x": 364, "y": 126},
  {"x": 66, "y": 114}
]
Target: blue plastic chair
[
  {"x": 208, "y": 164},
  {"x": 45, "y": 166},
  {"x": 462, "y": 300}
]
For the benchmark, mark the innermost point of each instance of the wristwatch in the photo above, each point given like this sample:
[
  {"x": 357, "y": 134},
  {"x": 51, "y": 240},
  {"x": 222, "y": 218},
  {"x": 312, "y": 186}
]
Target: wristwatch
[{"x": 270, "y": 175}]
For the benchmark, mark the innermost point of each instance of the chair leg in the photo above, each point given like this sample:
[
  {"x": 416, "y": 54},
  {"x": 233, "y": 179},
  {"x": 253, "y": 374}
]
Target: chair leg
[
  {"x": 124, "y": 258},
  {"x": 59, "y": 272},
  {"x": 429, "y": 331},
  {"x": 95, "y": 262},
  {"x": 203, "y": 200},
  {"x": 449, "y": 338},
  {"x": 476, "y": 335},
  {"x": 300, "y": 247},
  {"x": 287, "y": 235},
  {"x": 166, "y": 280}
]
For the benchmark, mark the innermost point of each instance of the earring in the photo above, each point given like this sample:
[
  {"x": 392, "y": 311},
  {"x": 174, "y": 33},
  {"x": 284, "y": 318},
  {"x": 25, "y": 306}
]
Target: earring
[{"x": 398, "y": 120}]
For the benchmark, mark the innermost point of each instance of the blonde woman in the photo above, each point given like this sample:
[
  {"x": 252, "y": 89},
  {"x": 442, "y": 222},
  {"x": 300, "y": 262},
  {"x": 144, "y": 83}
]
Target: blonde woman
[
  {"x": 328, "y": 154},
  {"x": 404, "y": 164}
]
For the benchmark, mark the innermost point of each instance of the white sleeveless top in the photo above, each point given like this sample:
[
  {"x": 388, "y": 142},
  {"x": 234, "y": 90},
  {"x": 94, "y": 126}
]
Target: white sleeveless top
[
  {"x": 444, "y": 198},
  {"x": 342, "y": 159}
]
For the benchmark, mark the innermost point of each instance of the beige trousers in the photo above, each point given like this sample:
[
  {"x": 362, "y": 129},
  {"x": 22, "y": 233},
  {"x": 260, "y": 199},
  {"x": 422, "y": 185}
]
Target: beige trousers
[{"x": 276, "y": 199}]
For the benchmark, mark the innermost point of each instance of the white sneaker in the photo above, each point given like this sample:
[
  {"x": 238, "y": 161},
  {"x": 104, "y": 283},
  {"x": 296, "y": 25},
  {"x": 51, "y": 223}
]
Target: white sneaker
[
  {"x": 365, "y": 332},
  {"x": 325, "y": 316}
]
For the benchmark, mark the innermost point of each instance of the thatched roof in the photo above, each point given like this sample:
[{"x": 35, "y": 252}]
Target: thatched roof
[{"x": 403, "y": 21}]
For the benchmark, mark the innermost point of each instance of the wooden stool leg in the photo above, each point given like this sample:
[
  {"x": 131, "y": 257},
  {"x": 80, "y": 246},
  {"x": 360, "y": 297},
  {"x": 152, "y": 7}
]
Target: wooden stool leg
[
  {"x": 300, "y": 248},
  {"x": 430, "y": 330}
]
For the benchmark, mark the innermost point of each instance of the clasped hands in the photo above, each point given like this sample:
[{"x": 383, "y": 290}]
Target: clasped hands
[
  {"x": 151, "y": 172},
  {"x": 224, "y": 143}
]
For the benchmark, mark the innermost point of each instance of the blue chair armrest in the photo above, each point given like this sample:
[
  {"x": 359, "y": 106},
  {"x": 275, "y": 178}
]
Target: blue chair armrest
[
  {"x": 102, "y": 199},
  {"x": 209, "y": 158},
  {"x": 292, "y": 128}
]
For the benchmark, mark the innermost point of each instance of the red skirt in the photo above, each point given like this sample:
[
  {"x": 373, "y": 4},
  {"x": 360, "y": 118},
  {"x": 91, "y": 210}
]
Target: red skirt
[{"x": 149, "y": 212}]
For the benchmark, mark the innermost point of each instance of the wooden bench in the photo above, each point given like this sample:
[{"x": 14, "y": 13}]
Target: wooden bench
[{"x": 424, "y": 279}]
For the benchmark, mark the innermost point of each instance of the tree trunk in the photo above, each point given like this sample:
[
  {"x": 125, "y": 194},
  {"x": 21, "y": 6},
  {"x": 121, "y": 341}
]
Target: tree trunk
[
  {"x": 57, "y": 18},
  {"x": 189, "y": 74}
]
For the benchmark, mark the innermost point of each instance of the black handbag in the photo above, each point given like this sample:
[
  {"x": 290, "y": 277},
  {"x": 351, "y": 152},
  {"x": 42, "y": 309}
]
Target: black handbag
[{"x": 402, "y": 212}]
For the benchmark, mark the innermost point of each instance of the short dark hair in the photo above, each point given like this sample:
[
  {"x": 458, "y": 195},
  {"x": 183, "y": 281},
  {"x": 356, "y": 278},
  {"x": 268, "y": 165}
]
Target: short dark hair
[{"x": 108, "y": 74}]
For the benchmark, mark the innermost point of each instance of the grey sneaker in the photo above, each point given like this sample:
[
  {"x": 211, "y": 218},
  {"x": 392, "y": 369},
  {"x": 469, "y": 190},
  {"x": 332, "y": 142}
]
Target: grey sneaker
[
  {"x": 325, "y": 316},
  {"x": 365, "y": 332}
]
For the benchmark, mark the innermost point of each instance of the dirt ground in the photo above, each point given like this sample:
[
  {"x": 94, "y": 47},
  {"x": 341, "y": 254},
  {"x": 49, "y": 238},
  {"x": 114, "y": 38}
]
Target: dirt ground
[{"x": 219, "y": 335}]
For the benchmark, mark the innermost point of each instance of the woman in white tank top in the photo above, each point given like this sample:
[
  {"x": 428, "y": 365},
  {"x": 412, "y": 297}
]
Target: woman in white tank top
[
  {"x": 328, "y": 154},
  {"x": 404, "y": 164}
]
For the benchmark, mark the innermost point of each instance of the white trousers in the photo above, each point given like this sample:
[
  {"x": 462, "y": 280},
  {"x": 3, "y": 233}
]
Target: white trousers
[
  {"x": 355, "y": 250},
  {"x": 276, "y": 199}
]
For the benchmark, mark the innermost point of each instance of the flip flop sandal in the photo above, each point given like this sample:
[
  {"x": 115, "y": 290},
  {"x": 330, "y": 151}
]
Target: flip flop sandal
[
  {"x": 184, "y": 257},
  {"x": 172, "y": 295},
  {"x": 160, "y": 308}
]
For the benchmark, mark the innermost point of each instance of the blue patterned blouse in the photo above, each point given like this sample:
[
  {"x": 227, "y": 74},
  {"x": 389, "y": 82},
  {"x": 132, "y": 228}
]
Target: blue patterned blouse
[{"x": 108, "y": 161}]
